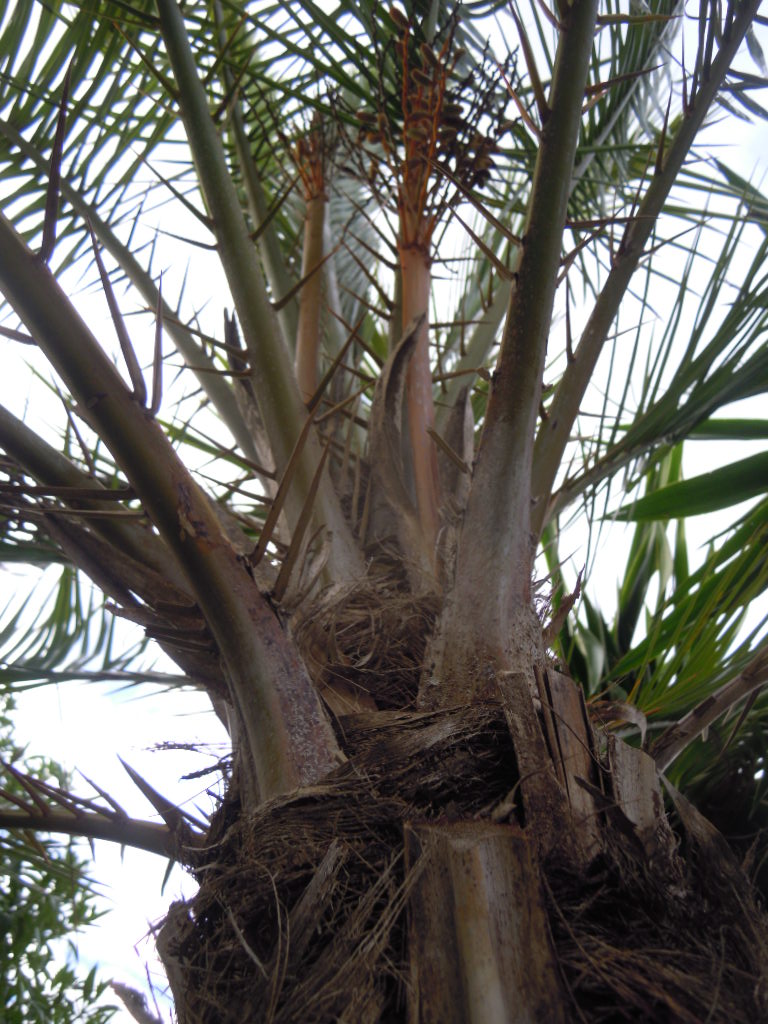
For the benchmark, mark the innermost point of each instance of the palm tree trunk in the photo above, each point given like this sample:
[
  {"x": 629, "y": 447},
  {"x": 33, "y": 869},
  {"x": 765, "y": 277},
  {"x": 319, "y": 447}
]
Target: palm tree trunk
[{"x": 379, "y": 894}]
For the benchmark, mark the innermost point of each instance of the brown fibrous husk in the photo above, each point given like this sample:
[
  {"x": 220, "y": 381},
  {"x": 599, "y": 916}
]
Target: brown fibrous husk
[
  {"x": 301, "y": 914},
  {"x": 369, "y": 636}
]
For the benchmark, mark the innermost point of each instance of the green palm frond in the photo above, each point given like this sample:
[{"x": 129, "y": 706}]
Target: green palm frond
[{"x": 710, "y": 354}]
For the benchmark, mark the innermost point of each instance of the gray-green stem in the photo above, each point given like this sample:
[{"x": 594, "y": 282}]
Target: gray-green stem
[
  {"x": 289, "y": 737},
  {"x": 280, "y": 404},
  {"x": 494, "y": 626}
]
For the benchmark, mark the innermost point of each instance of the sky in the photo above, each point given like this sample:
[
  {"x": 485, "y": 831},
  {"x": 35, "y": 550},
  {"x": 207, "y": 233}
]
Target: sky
[{"x": 86, "y": 727}]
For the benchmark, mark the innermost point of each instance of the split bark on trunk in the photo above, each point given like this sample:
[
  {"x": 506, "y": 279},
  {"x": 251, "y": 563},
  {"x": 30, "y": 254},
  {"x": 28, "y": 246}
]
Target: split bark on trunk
[{"x": 480, "y": 950}]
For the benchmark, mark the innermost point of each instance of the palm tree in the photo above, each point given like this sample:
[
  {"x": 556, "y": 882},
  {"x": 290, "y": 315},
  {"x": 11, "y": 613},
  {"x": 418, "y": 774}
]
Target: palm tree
[{"x": 481, "y": 294}]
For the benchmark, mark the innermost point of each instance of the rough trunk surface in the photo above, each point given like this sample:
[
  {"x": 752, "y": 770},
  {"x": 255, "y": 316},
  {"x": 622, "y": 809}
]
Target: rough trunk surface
[{"x": 494, "y": 861}]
